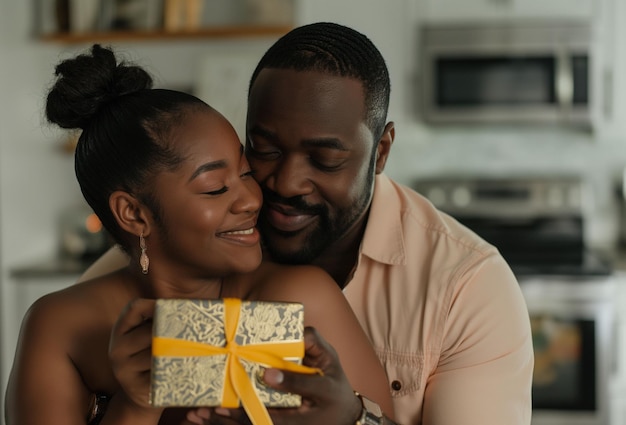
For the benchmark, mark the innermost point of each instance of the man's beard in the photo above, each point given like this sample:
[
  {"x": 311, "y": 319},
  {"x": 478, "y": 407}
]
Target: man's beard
[{"x": 327, "y": 230}]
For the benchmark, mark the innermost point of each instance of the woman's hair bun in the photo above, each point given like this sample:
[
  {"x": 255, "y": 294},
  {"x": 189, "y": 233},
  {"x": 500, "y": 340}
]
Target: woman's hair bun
[{"x": 88, "y": 81}]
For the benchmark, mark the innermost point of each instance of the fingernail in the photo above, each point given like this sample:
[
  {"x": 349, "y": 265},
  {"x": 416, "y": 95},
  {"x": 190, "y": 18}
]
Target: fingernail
[
  {"x": 204, "y": 413},
  {"x": 222, "y": 411},
  {"x": 273, "y": 376}
]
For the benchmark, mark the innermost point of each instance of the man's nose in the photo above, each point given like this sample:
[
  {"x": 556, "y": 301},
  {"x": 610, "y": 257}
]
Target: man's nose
[{"x": 290, "y": 177}]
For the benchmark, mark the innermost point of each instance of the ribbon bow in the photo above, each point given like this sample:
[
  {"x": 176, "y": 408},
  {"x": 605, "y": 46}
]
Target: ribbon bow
[{"x": 237, "y": 385}]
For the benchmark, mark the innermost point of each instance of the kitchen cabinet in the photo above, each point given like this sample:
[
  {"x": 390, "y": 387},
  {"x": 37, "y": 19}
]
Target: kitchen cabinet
[
  {"x": 27, "y": 284},
  {"x": 30, "y": 289},
  {"x": 35, "y": 280},
  {"x": 440, "y": 11}
]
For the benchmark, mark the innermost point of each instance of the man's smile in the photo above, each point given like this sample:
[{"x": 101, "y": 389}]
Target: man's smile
[{"x": 286, "y": 219}]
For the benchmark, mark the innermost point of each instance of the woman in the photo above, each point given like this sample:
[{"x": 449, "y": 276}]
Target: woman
[{"x": 167, "y": 177}]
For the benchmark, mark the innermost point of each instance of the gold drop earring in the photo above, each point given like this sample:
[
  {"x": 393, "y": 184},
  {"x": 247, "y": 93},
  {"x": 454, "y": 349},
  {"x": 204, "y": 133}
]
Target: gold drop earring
[{"x": 144, "y": 261}]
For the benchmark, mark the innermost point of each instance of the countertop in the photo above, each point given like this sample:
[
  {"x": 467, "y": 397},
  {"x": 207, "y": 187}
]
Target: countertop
[{"x": 52, "y": 267}]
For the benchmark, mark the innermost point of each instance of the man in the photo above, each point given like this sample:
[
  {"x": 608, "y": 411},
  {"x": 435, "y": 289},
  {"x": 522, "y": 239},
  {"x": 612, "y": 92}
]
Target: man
[{"x": 440, "y": 305}]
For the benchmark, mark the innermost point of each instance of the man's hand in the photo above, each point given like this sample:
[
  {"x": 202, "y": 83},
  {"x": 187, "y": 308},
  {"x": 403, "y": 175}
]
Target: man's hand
[{"x": 327, "y": 399}]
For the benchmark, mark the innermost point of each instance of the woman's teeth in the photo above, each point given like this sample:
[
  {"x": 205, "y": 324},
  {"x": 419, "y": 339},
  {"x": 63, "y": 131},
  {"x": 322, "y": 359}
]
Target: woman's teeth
[{"x": 241, "y": 232}]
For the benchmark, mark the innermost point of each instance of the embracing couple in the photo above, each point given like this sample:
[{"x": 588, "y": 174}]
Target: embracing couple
[{"x": 407, "y": 306}]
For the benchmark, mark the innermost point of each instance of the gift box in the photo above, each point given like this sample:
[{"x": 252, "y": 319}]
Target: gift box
[{"x": 212, "y": 353}]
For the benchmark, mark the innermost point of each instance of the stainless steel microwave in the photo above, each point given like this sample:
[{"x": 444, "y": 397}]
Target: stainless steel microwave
[{"x": 506, "y": 73}]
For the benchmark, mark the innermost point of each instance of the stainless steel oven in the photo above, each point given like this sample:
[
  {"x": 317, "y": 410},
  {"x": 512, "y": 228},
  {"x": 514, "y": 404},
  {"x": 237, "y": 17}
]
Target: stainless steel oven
[
  {"x": 538, "y": 225},
  {"x": 535, "y": 72},
  {"x": 573, "y": 325}
]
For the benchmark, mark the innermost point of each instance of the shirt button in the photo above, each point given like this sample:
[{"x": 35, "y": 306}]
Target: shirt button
[{"x": 396, "y": 385}]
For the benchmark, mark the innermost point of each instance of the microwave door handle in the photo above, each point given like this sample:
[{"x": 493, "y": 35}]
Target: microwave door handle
[{"x": 564, "y": 82}]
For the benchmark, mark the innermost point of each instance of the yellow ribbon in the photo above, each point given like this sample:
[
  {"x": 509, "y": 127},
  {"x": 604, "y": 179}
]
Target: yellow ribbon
[{"x": 237, "y": 385}]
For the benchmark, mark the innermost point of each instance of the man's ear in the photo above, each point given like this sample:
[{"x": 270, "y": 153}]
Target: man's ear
[
  {"x": 384, "y": 146},
  {"x": 131, "y": 215}
]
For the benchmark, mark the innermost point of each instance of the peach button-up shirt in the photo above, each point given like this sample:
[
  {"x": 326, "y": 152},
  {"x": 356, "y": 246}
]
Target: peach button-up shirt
[{"x": 444, "y": 313}]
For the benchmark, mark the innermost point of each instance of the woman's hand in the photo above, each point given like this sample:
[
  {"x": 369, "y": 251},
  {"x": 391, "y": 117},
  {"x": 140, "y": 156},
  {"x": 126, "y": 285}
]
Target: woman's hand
[{"x": 130, "y": 351}]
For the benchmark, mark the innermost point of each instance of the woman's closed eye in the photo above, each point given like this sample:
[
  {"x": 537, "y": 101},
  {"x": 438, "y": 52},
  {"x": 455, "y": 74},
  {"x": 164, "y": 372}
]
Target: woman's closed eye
[{"x": 223, "y": 189}]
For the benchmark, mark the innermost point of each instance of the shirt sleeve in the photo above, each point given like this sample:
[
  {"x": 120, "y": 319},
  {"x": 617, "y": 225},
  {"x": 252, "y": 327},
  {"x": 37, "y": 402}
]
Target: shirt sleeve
[
  {"x": 484, "y": 371},
  {"x": 112, "y": 260}
]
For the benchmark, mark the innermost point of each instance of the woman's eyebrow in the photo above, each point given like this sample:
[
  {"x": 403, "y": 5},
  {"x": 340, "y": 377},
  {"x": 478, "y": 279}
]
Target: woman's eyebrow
[{"x": 209, "y": 166}]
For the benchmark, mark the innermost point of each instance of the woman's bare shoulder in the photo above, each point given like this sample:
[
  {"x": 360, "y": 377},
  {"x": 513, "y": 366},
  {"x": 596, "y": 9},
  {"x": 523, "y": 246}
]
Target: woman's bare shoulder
[
  {"x": 78, "y": 305},
  {"x": 287, "y": 270},
  {"x": 292, "y": 283}
]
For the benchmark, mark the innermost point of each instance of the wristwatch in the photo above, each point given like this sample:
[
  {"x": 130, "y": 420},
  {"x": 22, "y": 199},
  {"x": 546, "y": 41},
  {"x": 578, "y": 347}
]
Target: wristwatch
[{"x": 371, "y": 414}]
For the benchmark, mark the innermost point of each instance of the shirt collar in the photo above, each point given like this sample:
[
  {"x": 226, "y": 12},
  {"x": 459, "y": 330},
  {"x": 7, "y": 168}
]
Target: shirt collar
[{"x": 383, "y": 240}]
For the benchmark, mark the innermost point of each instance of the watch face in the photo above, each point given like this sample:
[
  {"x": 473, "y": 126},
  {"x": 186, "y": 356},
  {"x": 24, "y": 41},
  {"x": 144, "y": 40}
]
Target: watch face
[
  {"x": 371, "y": 407},
  {"x": 372, "y": 414}
]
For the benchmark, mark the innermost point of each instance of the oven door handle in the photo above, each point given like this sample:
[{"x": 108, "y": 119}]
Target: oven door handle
[{"x": 564, "y": 80}]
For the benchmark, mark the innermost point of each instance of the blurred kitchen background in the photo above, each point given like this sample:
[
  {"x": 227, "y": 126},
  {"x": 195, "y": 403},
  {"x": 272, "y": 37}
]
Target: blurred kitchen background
[{"x": 510, "y": 115}]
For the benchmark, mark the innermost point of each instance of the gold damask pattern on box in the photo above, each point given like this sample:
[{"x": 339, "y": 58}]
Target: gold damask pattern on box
[{"x": 200, "y": 380}]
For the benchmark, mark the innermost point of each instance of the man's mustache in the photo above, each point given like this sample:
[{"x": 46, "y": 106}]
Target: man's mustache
[{"x": 295, "y": 202}]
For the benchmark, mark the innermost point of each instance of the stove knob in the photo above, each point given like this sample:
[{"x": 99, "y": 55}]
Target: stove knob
[
  {"x": 437, "y": 196},
  {"x": 574, "y": 197},
  {"x": 555, "y": 197},
  {"x": 461, "y": 196}
]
